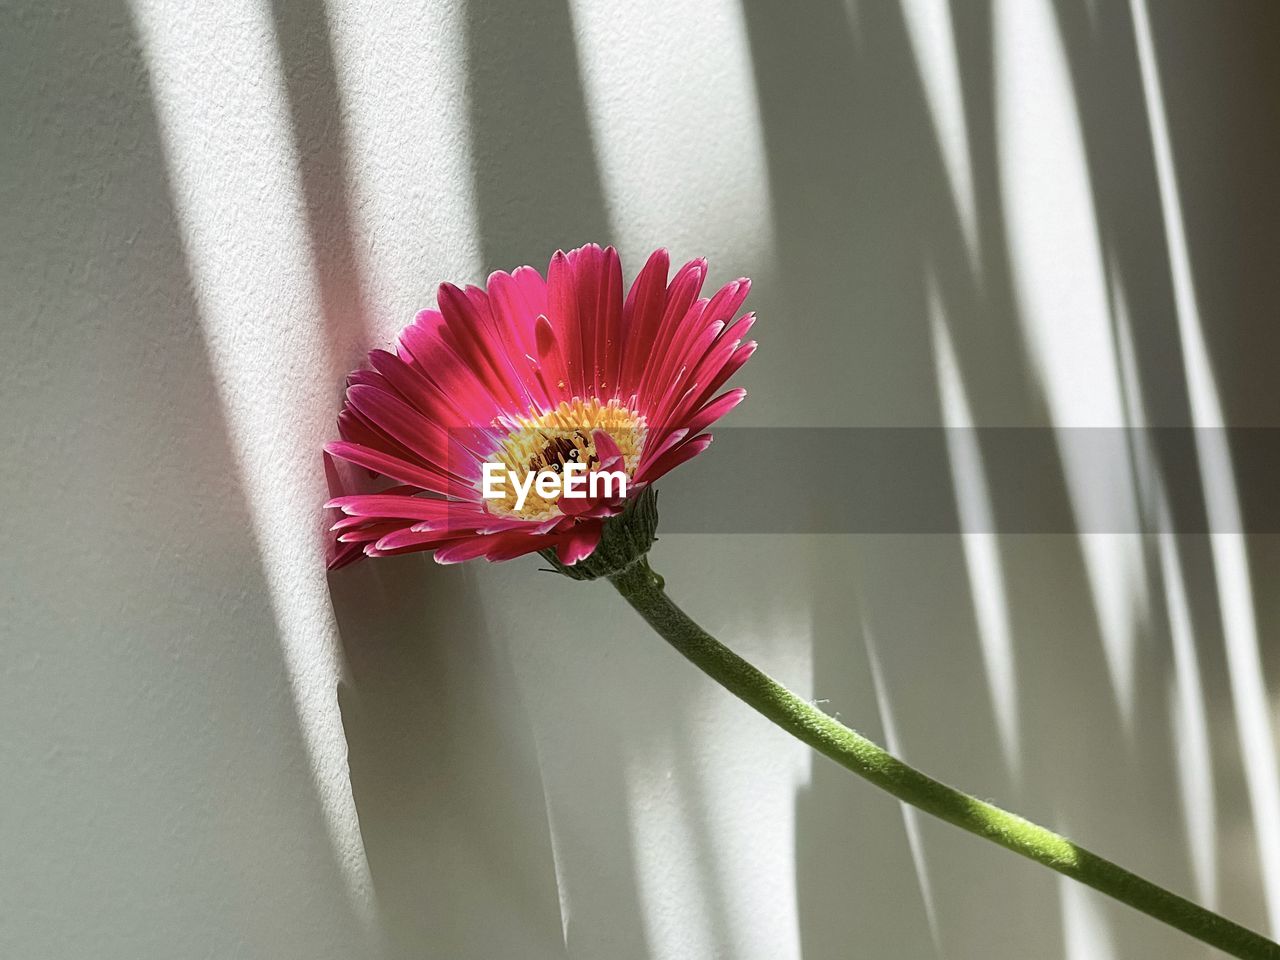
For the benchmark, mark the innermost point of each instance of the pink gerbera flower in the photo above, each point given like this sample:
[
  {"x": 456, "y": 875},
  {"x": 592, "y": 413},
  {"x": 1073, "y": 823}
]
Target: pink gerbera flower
[{"x": 530, "y": 374}]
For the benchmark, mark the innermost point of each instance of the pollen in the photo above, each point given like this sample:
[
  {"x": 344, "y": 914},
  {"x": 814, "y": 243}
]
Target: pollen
[{"x": 547, "y": 441}]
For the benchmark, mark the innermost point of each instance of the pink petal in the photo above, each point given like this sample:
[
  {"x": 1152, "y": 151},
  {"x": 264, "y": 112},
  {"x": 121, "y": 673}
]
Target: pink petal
[
  {"x": 606, "y": 449},
  {"x": 370, "y": 532},
  {"x": 578, "y": 543},
  {"x": 408, "y": 537},
  {"x": 533, "y": 288},
  {"x": 384, "y": 505},
  {"x": 480, "y": 546},
  {"x": 574, "y": 506},
  {"x": 430, "y": 442},
  {"x": 681, "y": 295},
  {"x": 555, "y": 374},
  {"x": 344, "y": 554},
  {"x": 398, "y": 469},
  {"x": 739, "y": 329},
  {"x": 510, "y": 548},
  {"x": 590, "y": 285},
  {"x": 641, "y": 315},
  {"x": 669, "y": 441},
  {"x": 565, "y": 320},
  {"x": 673, "y": 458},
  {"x": 716, "y": 409},
  {"x": 470, "y": 322},
  {"x": 609, "y": 332}
]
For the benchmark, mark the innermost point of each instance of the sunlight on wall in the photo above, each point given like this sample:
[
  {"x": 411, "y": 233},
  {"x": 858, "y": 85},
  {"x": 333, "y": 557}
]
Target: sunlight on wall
[
  {"x": 933, "y": 42},
  {"x": 1188, "y": 713},
  {"x": 1061, "y": 292},
  {"x": 1088, "y": 935},
  {"x": 981, "y": 545},
  {"x": 681, "y": 150},
  {"x": 682, "y": 158},
  {"x": 240, "y": 210},
  {"x": 749, "y": 844},
  {"x": 1191, "y": 730},
  {"x": 667, "y": 850},
  {"x": 413, "y": 189},
  {"x": 910, "y": 815},
  {"x": 1231, "y": 563}
]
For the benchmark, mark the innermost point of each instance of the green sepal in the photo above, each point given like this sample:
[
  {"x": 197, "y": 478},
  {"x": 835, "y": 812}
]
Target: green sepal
[{"x": 625, "y": 539}]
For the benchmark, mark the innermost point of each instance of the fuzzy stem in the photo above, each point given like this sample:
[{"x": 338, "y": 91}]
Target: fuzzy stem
[{"x": 643, "y": 589}]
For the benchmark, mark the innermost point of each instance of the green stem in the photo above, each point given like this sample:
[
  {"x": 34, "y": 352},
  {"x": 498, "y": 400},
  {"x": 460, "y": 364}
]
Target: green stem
[{"x": 643, "y": 589}]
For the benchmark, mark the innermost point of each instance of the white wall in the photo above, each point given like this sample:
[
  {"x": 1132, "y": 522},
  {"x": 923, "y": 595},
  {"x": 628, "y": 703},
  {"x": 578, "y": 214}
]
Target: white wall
[{"x": 1044, "y": 212}]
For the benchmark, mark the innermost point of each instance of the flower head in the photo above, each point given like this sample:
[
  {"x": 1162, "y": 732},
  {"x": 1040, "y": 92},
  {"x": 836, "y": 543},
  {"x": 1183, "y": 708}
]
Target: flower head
[{"x": 531, "y": 375}]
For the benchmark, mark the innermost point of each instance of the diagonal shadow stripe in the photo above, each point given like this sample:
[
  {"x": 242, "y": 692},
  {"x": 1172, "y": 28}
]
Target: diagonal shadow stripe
[
  {"x": 164, "y": 806},
  {"x": 537, "y": 178},
  {"x": 320, "y": 145}
]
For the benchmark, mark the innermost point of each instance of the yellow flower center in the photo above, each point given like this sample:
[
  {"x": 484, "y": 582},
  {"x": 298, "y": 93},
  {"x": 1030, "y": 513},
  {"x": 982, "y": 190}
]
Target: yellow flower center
[{"x": 547, "y": 441}]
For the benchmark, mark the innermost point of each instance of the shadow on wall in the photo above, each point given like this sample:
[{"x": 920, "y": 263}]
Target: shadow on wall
[
  {"x": 148, "y": 674},
  {"x": 537, "y": 178},
  {"x": 443, "y": 767},
  {"x": 863, "y": 217},
  {"x": 444, "y": 763},
  {"x": 855, "y": 883},
  {"x": 864, "y": 221},
  {"x": 862, "y": 214},
  {"x": 1217, "y": 70},
  {"x": 320, "y": 141},
  {"x": 1225, "y": 139},
  {"x": 443, "y": 770},
  {"x": 160, "y": 800},
  {"x": 865, "y": 224}
]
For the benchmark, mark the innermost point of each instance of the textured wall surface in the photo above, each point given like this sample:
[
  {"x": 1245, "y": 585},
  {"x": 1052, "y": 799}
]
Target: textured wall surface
[{"x": 1016, "y": 212}]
